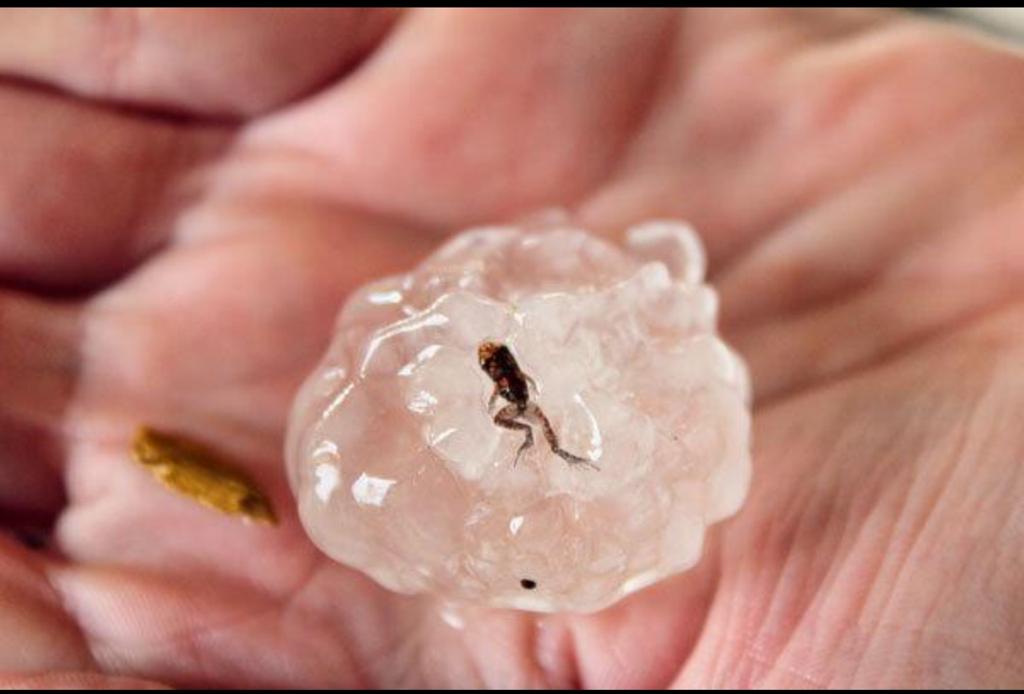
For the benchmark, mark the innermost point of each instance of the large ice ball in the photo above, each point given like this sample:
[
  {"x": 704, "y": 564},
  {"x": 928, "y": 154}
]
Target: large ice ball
[{"x": 400, "y": 452}]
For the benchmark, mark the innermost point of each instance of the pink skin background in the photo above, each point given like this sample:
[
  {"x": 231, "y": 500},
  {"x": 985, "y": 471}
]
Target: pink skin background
[{"x": 187, "y": 196}]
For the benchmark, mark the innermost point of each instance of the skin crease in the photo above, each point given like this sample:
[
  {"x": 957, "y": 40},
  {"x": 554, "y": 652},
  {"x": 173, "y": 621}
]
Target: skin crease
[{"x": 179, "y": 227}]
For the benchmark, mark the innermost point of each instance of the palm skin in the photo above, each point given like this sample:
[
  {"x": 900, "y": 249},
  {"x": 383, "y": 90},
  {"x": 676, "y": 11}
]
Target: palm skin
[{"x": 178, "y": 259}]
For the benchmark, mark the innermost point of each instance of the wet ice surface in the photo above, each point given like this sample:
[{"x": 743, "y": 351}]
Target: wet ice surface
[{"x": 400, "y": 471}]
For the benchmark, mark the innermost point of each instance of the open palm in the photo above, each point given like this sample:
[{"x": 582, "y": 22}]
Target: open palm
[{"x": 186, "y": 197}]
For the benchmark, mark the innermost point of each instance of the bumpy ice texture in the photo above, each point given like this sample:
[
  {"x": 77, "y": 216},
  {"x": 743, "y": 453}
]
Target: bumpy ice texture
[{"x": 399, "y": 470}]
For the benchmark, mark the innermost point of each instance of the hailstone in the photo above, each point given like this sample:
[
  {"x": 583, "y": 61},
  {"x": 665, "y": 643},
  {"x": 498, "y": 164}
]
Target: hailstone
[{"x": 402, "y": 465}]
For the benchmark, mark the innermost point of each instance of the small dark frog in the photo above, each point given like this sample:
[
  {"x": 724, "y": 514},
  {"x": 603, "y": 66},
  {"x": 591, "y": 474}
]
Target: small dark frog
[{"x": 513, "y": 386}]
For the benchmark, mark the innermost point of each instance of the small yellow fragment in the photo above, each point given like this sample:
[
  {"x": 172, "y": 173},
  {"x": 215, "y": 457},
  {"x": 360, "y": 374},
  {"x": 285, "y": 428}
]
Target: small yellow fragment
[{"x": 190, "y": 469}]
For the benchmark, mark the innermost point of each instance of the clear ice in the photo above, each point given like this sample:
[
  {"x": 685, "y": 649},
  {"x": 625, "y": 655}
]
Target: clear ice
[{"x": 400, "y": 471}]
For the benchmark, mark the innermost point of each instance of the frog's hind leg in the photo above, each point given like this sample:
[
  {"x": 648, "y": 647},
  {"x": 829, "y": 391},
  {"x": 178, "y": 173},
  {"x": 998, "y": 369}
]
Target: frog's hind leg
[
  {"x": 552, "y": 439},
  {"x": 508, "y": 418}
]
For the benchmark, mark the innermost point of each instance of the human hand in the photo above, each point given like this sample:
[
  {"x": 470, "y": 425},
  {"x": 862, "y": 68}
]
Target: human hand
[{"x": 178, "y": 259}]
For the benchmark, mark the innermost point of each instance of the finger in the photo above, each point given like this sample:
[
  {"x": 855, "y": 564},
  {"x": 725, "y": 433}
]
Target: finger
[
  {"x": 75, "y": 680},
  {"x": 203, "y": 630},
  {"x": 209, "y": 61},
  {"x": 38, "y": 634},
  {"x": 86, "y": 191},
  {"x": 38, "y": 369},
  {"x": 468, "y": 115},
  {"x": 31, "y": 491}
]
